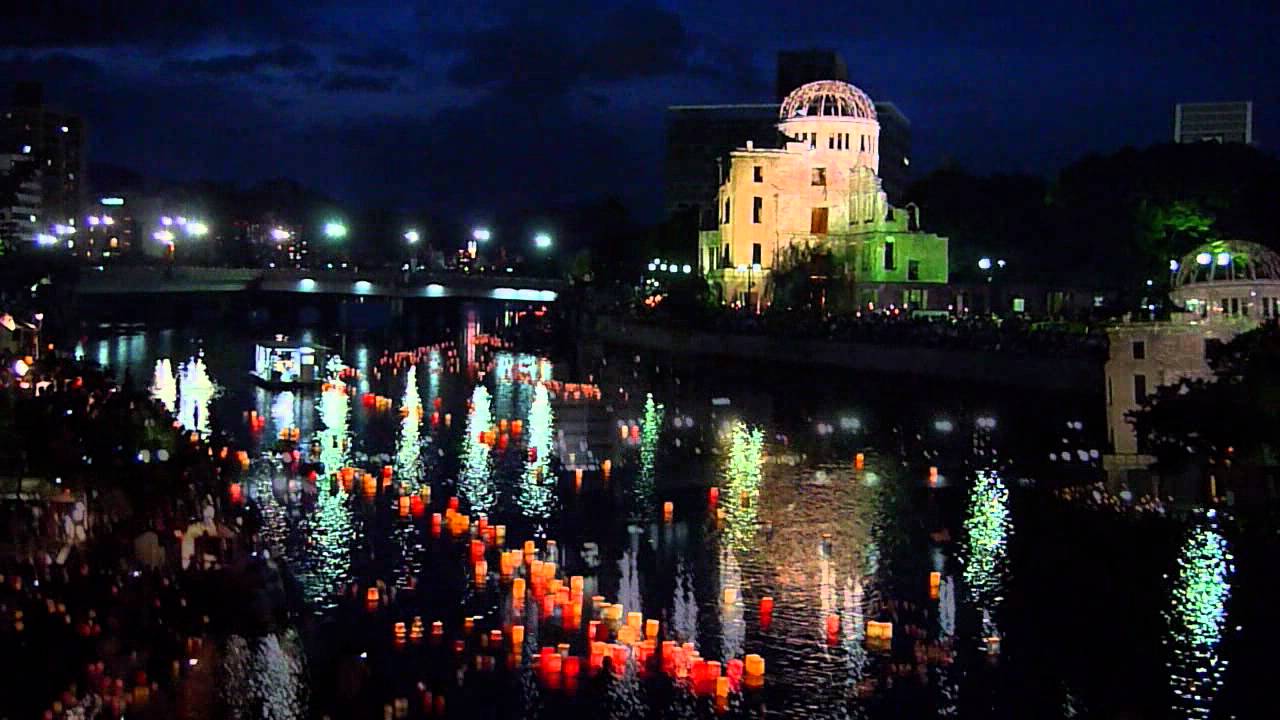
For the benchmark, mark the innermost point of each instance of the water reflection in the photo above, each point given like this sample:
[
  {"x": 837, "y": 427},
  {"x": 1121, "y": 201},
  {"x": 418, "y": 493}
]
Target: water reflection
[
  {"x": 742, "y": 474},
  {"x": 537, "y": 487},
  {"x": 1197, "y": 617},
  {"x": 650, "y": 429},
  {"x": 163, "y": 385},
  {"x": 475, "y": 485},
  {"x": 195, "y": 393},
  {"x": 409, "y": 441},
  {"x": 987, "y": 526}
]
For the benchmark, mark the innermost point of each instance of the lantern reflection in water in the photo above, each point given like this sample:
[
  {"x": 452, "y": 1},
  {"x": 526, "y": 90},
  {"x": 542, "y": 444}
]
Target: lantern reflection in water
[
  {"x": 476, "y": 485},
  {"x": 1197, "y": 617}
]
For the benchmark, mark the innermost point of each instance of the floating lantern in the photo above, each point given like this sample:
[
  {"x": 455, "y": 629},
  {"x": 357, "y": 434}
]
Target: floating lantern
[
  {"x": 754, "y": 665},
  {"x": 833, "y": 624},
  {"x": 517, "y": 636},
  {"x": 403, "y": 503},
  {"x": 572, "y": 666},
  {"x": 635, "y": 619},
  {"x": 482, "y": 572},
  {"x": 858, "y": 461},
  {"x": 235, "y": 493},
  {"x": 713, "y": 496},
  {"x": 935, "y": 585},
  {"x": 651, "y": 629},
  {"x": 517, "y": 590},
  {"x": 729, "y": 596},
  {"x": 668, "y": 510}
]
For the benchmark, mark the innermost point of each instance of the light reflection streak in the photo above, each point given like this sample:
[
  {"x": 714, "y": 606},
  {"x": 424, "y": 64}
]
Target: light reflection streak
[
  {"x": 409, "y": 441},
  {"x": 329, "y": 529},
  {"x": 1196, "y": 618},
  {"x": 987, "y": 526},
  {"x": 742, "y": 484},
  {"x": 476, "y": 484},
  {"x": 163, "y": 385},
  {"x": 650, "y": 430},
  {"x": 195, "y": 393},
  {"x": 537, "y": 489}
]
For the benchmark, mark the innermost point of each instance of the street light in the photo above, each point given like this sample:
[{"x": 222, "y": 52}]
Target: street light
[
  {"x": 542, "y": 241},
  {"x": 412, "y": 236},
  {"x": 335, "y": 230},
  {"x": 164, "y": 236},
  {"x": 984, "y": 263},
  {"x": 279, "y": 234},
  {"x": 197, "y": 229},
  {"x": 481, "y": 234}
]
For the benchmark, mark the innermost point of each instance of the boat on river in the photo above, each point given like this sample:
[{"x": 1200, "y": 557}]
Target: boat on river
[{"x": 281, "y": 364}]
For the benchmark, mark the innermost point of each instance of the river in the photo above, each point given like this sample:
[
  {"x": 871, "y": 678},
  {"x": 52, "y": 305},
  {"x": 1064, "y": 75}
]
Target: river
[{"x": 1004, "y": 601}]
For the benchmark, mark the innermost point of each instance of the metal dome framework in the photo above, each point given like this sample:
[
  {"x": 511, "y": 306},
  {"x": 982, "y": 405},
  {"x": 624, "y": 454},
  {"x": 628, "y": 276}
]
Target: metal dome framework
[
  {"x": 1224, "y": 261},
  {"x": 827, "y": 98}
]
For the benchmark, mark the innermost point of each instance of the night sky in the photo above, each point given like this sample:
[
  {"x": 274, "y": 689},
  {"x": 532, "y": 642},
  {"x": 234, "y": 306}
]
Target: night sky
[{"x": 463, "y": 106}]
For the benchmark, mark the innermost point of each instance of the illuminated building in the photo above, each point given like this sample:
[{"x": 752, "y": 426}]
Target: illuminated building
[
  {"x": 1220, "y": 122},
  {"x": 20, "y": 221},
  {"x": 56, "y": 141},
  {"x": 1222, "y": 289},
  {"x": 820, "y": 191},
  {"x": 105, "y": 234},
  {"x": 700, "y": 137}
]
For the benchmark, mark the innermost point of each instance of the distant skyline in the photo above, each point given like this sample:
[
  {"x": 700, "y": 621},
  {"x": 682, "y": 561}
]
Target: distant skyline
[{"x": 464, "y": 107}]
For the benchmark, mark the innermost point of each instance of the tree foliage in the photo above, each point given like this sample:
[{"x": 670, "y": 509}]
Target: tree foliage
[{"x": 1234, "y": 414}]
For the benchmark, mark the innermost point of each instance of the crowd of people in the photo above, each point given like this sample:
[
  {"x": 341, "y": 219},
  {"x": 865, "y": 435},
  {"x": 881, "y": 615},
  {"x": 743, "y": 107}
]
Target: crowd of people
[
  {"x": 1015, "y": 334},
  {"x": 106, "y": 592}
]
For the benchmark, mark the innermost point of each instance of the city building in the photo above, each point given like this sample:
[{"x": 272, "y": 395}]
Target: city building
[
  {"x": 819, "y": 190},
  {"x": 56, "y": 142},
  {"x": 700, "y": 137},
  {"x": 107, "y": 233},
  {"x": 20, "y": 213},
  {"x": 1223, "y": 122},
  {"x": 1223, "y": 288}
]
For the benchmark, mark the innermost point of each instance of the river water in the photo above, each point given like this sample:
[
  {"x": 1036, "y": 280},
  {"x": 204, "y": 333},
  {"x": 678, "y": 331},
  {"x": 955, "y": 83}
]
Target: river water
[{"x": 1039, "y": 608}]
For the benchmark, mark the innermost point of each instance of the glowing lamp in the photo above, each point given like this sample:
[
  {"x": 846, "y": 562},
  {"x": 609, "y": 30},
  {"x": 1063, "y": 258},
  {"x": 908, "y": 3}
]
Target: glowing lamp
[
  {"x": 1224, "y": 259},
  {"x": 755, "y": 665},
  {"x": 1204, "y": 258}
]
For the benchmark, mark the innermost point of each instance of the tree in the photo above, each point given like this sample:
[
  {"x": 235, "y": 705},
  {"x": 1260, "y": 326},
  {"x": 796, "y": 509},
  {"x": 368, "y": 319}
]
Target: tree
[{"x": 1233, "y": 415}]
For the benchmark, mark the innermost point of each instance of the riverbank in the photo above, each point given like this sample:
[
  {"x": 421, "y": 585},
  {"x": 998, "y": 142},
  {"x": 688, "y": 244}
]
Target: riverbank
[{"x": 1009, "y": 369}]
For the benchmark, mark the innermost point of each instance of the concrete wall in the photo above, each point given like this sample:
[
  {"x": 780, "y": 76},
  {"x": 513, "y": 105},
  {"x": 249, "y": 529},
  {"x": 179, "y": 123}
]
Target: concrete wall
[{"x": 1008, "y": 369}]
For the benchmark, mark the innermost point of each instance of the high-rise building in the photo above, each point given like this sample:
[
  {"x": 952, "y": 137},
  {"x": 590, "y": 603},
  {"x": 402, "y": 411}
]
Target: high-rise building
[
  {"x": 820, "y": 191},
  {"x": 800, "y": 67},
  {"x": 56, "y": 142},
  {"x": 1223, "y": 122},
  {"x": 20, "y": 211},
  {"x": 701, "y": 137}
]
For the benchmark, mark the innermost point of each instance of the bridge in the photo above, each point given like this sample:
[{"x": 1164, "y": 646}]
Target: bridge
[{"x": 388, "y": 284}]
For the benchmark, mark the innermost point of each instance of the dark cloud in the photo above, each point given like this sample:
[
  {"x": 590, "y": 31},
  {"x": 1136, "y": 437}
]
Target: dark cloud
[
  {"x": 380, "y": 58},
  {"x": 106, "y": 23},
  {"x": 285, "y": 57},
  {"x": 535, "y": 52},
  {"x": 356, "y": 82}
]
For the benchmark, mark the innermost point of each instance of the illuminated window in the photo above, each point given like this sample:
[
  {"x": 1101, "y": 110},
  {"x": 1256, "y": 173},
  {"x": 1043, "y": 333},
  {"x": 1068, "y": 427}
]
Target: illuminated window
[
  {"x": 1139, "y": 388},
  {"x": 1139, "y": 350},
  {"x": 757, "y": 209},
  {"x": 819, "y": 177},
  {"x": 1019, "y": 305},
  {"x": 913, "y": 269},
  {"x": 757, "y": 174}
]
